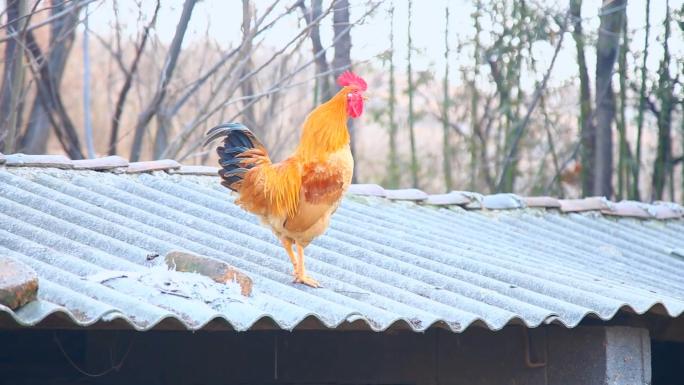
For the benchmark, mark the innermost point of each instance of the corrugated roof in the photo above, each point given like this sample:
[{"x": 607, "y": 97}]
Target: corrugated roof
[{"x": 383, "y": 262}]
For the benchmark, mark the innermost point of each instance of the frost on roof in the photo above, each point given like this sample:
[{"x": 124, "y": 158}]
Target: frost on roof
[{"x": 452, "y": 261}]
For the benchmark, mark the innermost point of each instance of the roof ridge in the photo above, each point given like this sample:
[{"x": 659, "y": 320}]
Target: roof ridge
[
  {"x": 465, "y": 199},
  {"x": 510, "y": 201}
]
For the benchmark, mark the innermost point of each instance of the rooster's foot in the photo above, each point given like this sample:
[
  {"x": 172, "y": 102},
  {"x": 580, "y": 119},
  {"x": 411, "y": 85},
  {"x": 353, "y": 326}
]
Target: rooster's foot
[{"x": 306, "y": 280}]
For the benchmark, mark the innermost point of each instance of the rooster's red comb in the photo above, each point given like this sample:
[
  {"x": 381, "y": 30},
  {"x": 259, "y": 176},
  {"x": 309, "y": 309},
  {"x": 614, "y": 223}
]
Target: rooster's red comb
[{"x": 348, "y": 78}]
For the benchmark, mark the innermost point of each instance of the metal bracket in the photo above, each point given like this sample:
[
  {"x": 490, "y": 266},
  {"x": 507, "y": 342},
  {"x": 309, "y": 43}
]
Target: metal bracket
[{"x": 528, "y": 356}]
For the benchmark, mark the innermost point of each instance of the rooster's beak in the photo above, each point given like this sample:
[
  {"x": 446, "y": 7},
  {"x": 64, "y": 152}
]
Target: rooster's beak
[{"x": 365, "y": 97}]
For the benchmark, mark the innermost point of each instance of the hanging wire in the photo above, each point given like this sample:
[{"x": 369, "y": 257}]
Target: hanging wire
[{"x": 113, "y": 367}]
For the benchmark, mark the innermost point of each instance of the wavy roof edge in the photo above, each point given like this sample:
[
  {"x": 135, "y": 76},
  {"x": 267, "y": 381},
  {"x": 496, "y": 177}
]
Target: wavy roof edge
[
  {"x": 658, "y": 210},
  {"x": 353, "y": 320}
]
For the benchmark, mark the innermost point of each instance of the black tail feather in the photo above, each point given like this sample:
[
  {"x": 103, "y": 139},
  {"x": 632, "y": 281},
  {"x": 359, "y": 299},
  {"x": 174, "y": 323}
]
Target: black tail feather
[
  {"x": 229, "y": 179},
  {"x": 238, "y": 139}
]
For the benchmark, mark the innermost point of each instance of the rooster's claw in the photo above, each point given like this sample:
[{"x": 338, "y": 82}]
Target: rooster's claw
[{"x": 306, "y": 280}]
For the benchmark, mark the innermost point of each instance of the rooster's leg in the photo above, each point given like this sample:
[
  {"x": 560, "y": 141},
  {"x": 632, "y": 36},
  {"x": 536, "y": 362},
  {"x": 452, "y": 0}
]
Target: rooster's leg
[
  {"x": 300, "y": 274},
  {"x": 287, "y": 244}
]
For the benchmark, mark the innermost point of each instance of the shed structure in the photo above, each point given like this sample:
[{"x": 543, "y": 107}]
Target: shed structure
[{"x": 456, "y": 288}]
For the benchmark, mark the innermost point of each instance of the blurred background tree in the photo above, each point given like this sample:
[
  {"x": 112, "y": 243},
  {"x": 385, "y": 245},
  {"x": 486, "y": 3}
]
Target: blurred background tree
[{"x": 555, "y": 97}]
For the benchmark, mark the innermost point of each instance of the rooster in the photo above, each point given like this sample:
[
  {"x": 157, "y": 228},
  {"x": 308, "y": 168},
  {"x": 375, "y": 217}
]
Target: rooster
[{"x": 296, "y": 197}]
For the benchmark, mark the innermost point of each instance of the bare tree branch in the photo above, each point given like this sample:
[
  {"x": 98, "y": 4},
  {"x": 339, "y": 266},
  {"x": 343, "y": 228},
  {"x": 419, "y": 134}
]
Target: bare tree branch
[
  {"x": 520, "y": 128},
  {"x": 182, "y": 137},
  {"x": 58, "y": 15},
  {"x": 247, "y": 87},
  {"x": 117, "y": 55},
  {"x": 47, "y": 71},
  {"x": 311, "y": 16},
  {"x": 51, "y": 100},
  {"x": 164, "y": 79},
  {"x": 87, "y": 118},
  {"x": 606, "y": 53},
  {"x": 219, "y": 64},
  {"x": 13, "y": 77},
  {"x": 130, "y": 73}
]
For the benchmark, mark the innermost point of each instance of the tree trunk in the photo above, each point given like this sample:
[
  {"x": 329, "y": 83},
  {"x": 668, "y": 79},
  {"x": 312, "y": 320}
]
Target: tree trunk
[
  {"x": 663, "y": 162},
  {"x": 323, "y": 90},
  {"x": 342, "y": 59},
  {"x": 681, "y": 130},
  {"x": 635, "y": 194},
  {"x": 446, "y": 146},
  {"x": 511, "y": 79},
  {"x": 87, "y": 121},
  {"x": 47, "y": 82},
  {"x": 411, "y": 117},
  {"x": 13, "y": 77},
  {"x": 612, "y": 14},
  {"x": 247, "y": 86},
  {"x": 474, "y": 101},
  {"x": 62, "y": 35},
  {"x": 513, "y": 142},
  {"x": 621, "y": 121},
  {"x": 165, "y": 77},
  {"x": 342, "y": 35},
  {"x": 587, "y": 128},
  {"x": 128, "y": 82},
  {"x": 393, "y": 172},
  {"x": 497, "y": 69}
]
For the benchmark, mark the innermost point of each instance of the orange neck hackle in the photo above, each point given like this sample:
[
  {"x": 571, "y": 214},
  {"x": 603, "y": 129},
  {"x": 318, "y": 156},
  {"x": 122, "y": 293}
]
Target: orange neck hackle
[{"x": 325, "y": 129}]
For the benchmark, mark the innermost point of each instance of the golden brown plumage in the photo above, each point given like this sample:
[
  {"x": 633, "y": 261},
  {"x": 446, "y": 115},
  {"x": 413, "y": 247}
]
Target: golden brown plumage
[{"x": 297, "y": 196}]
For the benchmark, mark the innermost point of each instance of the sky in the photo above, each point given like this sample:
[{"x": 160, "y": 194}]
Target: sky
[{"x": 221, "y": 19}]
